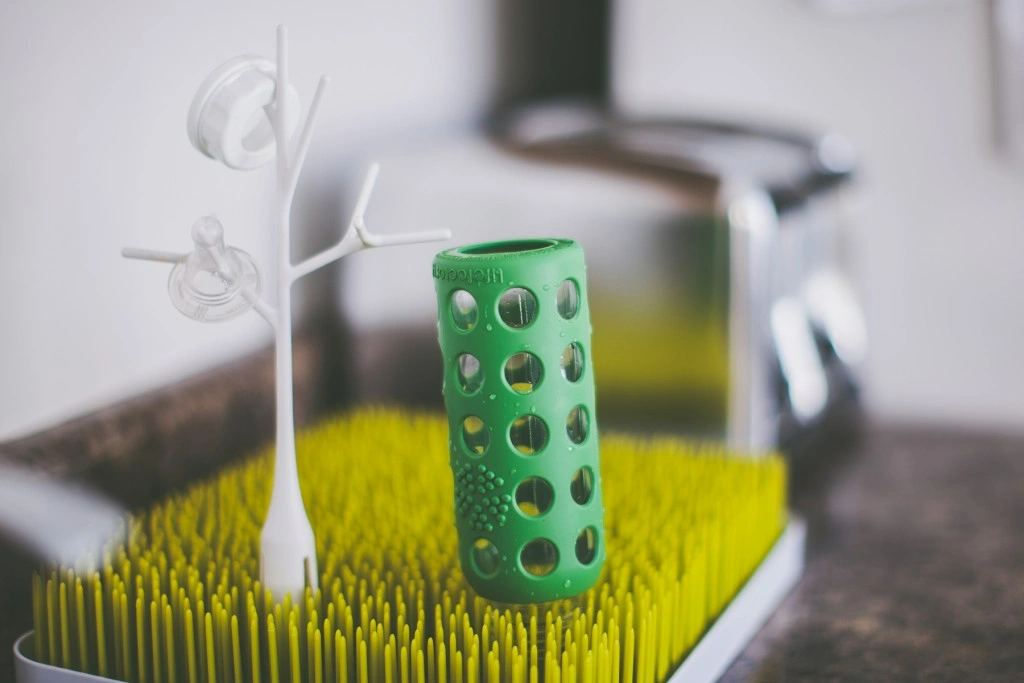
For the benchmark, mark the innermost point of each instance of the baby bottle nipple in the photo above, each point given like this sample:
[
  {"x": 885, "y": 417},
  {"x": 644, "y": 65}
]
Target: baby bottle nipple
[{"x": 214, "y": 282}]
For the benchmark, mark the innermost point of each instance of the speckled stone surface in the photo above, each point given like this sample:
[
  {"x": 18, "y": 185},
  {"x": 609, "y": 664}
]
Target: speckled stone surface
[{"x": 915, "y": 565}]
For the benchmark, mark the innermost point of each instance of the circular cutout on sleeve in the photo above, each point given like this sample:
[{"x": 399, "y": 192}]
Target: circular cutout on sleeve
[
  {"x": 582, "y": 486},
  {"x": 534, "y": 496},
  {"x": 572, "y": 362},
  {"x": 539, "y": 557},
  {"x": 471, "y": 375},
  {"x": 586, "y": 546},
  {"x": 567, "y": 300},
  {"x": 475, "y": 435},
  {"x": 523, "y": 372},
  {"x": 517, "y": 307},
  {"x": 577, "y": 425},
  {"x": 528, "y": 434},
  {"x": 464, "y": 310},
  {"x": 486, "y": 558}
]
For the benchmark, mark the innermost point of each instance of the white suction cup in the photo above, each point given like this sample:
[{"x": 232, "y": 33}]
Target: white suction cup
[
  {"x": 214, "y": 282},
  {"x": 228, "y": 119}
]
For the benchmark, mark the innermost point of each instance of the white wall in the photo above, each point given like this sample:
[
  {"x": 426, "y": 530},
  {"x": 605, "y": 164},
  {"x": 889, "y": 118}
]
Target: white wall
[
  {"x": 96, "y": 158},
  {"x": 937, "y": 247}
]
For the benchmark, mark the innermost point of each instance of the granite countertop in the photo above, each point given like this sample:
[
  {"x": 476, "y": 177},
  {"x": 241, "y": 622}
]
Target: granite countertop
[{"x": 915, "y": 564}]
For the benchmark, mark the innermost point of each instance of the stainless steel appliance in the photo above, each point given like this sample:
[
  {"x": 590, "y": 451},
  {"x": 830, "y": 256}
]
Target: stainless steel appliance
[{"x": 720, "y": 311}]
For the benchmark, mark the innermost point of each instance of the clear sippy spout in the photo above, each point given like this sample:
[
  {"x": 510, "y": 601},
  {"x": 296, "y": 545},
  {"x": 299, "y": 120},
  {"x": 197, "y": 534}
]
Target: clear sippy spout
[{"x": 214, "y": 282}]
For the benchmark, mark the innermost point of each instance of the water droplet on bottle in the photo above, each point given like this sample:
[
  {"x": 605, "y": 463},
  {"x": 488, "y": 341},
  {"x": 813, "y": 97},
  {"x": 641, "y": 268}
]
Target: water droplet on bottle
[
  {"x": 567, "y": 583},
  {"x": 490, "y": 327},
  {"x": 546, "y": 288},
  {"x": 494, "y": 396}
]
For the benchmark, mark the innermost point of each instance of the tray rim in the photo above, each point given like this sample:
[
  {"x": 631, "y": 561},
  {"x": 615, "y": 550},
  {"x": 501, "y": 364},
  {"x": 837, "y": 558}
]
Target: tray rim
[{"x": 760, "y": 596}]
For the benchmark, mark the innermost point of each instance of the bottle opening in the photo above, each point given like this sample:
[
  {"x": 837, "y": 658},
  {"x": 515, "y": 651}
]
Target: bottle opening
[{"x": 511, "y": 247}]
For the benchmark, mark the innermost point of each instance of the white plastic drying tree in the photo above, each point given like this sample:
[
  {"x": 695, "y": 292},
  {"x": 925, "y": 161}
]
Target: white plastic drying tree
[{"x": 215, "y": 282}]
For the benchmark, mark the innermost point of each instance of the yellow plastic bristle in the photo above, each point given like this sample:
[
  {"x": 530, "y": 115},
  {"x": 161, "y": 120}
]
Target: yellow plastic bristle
[
  {"x": 180, "y": 599},
  {"x": 65, "y": 640}
]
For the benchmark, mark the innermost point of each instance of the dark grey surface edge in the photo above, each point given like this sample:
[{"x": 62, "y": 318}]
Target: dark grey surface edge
[{"x": 915, "y": 564}]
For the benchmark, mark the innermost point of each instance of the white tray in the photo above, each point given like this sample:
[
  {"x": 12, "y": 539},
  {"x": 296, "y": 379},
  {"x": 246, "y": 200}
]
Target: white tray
[
  {"x": 748, "y": 611},
  {"x": 726, "y": 638}
]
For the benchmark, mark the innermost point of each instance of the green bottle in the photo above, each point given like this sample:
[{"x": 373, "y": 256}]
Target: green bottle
[{"x": 514, "y": 329}]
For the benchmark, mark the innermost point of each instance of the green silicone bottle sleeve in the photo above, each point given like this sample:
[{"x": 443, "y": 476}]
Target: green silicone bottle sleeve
[{"x": 514, "y": 330}]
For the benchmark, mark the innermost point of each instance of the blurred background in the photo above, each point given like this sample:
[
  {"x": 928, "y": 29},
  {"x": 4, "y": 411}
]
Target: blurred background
[
  {"x": 796, "y": 213},
  {"x": 926, "y": 230}
]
